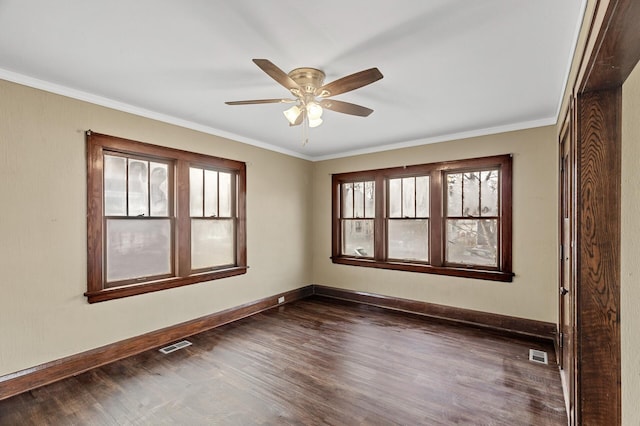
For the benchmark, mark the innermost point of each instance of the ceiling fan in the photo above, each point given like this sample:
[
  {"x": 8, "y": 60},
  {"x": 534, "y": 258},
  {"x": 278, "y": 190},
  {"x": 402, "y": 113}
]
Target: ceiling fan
[{"x": 311, "y": 94}]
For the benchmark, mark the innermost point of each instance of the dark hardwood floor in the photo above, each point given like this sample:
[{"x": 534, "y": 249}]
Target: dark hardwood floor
[{"x": 315, "y": 361}]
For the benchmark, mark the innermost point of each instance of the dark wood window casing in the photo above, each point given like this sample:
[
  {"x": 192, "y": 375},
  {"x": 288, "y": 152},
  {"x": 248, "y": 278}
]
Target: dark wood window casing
[
  {"x": 173, "y": 243},
  {"x": 375, "y": 250}
]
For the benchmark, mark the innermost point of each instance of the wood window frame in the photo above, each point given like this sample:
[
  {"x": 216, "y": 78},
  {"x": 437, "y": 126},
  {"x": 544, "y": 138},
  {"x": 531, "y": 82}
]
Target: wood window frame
[
  {"x": 147, "y": 217},
  {"x": 97, "y": 145},
  {"x": 436, "y": 172}
]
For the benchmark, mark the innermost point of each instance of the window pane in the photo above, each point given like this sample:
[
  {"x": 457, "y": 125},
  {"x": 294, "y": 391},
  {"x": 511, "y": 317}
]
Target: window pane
[
  {"x": 225, "y": 194},
  {"x": 138, "y": 248},
  {"x": 159, "y": 189},
  {"x": 196, "y": 191},
  {"x": 489, "y": 188},
  {"x": 472, "y": 242},
  {"x": 347, "y": 200},
  {"x": 369, "y": 199},
  {"x": 395, "y": 197},
  {"x": 409, "y": 239},
  {"x": 471, "y": 201},
  {"x": 212, "y": 243},
  {"x": 358, "y": 199},
  {"x": 138, "y": 189},
  {"x": 422, "y": 196},
  {"x": 409, "y": 197},
  {"x": 357, "y": 237},
  {"x": 454, "y": 194},
  {"x": 115, "y": 186},
  {"x": 210, "y": 193}
]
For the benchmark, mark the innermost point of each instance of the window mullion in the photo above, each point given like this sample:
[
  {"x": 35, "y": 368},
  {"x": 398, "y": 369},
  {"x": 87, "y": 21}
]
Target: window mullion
[
  {"x": 217, "y": 194},
  {"x": 480, "y": 193},
  {"x": 232, "y": 210},
  {"x": 148, "y": 189},
  {"x": 204, "y": 192},
  {"x": 183, "y": 220},
  {"x": 401, "y": 198},
  {"x": 461, "y": 195},
  {"x": 380, "y": 232},
  {"x": 126, "y": 188},
  {"x": 353, "y": 200},
  {"x": 436, "y": 217},
  {"x": 415, "y": 198},
  {"x": 364, "y": 198}
]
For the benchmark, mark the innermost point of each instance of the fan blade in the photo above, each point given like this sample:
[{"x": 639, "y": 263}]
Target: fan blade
[
  {"x": 350, "y": 82},
  {"x": 261, "y": 101},
  {"x": 277, "y": 74},
  {"x": 345, "y": 107}
]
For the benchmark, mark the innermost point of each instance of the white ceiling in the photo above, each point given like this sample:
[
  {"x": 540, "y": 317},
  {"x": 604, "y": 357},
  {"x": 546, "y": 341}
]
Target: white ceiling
[{"x": 452, "y": 68}]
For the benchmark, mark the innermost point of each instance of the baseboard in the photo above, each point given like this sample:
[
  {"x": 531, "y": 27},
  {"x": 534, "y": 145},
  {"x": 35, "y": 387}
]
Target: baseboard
[
  {"x": 31, "y": 378},
  {"x": 512, "y": 325},
  {"x": 44, "y": 374}
]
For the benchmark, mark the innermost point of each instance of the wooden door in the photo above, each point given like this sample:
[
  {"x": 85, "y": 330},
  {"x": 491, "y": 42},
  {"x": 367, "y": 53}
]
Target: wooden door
[{"x": 566, "y": 288}]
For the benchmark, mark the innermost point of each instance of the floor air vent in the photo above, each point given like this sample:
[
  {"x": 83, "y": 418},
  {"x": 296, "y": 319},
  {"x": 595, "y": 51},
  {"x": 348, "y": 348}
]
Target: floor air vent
[
  {"x": 176, "y": 346},
  {"x": 538, "y": 356}
]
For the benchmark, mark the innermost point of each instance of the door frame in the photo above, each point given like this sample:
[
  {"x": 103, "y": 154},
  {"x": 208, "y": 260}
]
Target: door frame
[
  {"x": 566, "y": 331},
  {"x": 615, "y": 51}
]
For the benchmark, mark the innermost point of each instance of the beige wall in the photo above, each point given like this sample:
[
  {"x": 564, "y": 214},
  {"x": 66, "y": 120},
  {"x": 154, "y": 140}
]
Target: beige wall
[
  {"x": 630, "y": 241},
  {"x": 532, "y": 294},
  {"x": 43, "y": 229},
  {"x": 43, "y": 314}
]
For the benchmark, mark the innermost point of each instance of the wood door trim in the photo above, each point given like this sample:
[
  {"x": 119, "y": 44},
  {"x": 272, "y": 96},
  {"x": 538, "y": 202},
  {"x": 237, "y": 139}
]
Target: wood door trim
[
  {"x": 597, "y": 220},
  {"x": 563, "y": 204},
  {"x": 616, "y": 49}
]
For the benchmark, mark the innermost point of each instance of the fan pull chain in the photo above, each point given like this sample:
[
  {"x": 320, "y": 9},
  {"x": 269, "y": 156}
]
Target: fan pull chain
[{"x": 305, "y": 131}]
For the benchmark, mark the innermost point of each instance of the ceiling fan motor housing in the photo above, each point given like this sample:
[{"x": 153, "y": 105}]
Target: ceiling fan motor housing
[{"x": 309, "y": 79}]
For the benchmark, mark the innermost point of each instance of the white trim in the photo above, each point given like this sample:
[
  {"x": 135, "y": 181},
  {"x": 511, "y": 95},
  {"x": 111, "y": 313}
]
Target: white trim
[
  {"x": 444, "y": 138},
  {"x": 574, "y": 46},
  {"x": 132, "y": 109}
]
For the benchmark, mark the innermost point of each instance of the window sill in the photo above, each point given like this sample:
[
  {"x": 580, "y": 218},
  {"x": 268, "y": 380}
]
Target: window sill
[
  {"x": 134, "y": 289},
  {"x": 480, "y": 274}
]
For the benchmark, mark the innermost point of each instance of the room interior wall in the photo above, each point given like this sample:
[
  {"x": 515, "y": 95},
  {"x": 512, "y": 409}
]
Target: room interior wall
[
  {"x": 43, "y": 313},
  {"x": 630, "y": 250},
  {"x": 531, "y": 295}
]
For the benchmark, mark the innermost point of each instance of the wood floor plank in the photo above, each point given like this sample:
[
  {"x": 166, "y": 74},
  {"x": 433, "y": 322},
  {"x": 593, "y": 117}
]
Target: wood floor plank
[{"x": 315, "y": 361}]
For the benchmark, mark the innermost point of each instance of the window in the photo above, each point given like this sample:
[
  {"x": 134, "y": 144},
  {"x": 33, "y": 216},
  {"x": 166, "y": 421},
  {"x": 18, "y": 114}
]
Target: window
[
  {"x": 160, "y": 218},
  {"x": 357, "y": 218},
  {"x": 472, "y": 218},
  {"x": 451, "y": 218},
  {"x": 408, "y": 219}
]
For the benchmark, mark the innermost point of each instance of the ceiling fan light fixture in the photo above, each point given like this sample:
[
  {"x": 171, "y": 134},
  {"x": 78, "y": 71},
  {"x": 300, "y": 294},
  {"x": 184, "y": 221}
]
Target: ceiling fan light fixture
[
  {"x": 314, "y": 122},
  {"x": 292, "y": 114},
  {"x": 314, "y": 110},
  {"x": 310, "y": 92}
]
